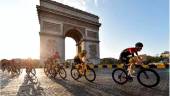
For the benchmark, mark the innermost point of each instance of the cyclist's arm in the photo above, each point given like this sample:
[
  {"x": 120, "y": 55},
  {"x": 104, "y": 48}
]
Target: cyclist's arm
[
  {"x": 138, "y": 57},
  {"x": 133, "y": 55},
  {"x": 136, "y": 53}
]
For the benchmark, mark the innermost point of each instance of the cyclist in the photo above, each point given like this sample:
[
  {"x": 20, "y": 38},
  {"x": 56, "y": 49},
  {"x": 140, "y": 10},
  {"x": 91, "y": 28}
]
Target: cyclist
[
  {"x": 29, "y": 67},
  {"x": 55, "y": 60},
  {"x": 128, "y": 53},
  {"x": 77, "y": 60},
  {"x": 81, "y": 59},
  {"x": 55, "y": 57},
  {"x": 52, "y": 60}
]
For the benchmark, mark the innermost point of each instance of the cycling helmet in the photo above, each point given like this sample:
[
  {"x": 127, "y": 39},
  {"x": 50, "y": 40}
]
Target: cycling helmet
[{"x": 139, "y": 44}]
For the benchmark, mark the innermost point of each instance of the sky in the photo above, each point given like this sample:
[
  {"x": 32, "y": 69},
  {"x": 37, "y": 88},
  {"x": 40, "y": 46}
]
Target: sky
[{"x": 124, "y": 22}]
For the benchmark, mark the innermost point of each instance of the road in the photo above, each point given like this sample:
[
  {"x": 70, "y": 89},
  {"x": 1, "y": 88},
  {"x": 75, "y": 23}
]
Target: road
[{"x": 22, "y": 85}]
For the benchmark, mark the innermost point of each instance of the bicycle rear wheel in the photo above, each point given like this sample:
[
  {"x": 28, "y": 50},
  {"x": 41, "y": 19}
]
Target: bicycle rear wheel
[
  {"x": 62, "y": 73},
  {"x": 74, "y": 73},
  {"x": 119, "y": 76},
  {"x": 90, "y": 74},
  {"x": 148, "y": 78}
]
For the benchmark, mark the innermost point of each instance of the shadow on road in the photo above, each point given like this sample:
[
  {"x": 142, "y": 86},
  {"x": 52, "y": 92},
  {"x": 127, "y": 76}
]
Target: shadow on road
[
  {"x": 101, "y": 88},
  {"x": 83, "y": 88},
  {"x": 31, "y": 87},
  {"x": 75, "y": 89},
  {"x": 5, "y": 79}
]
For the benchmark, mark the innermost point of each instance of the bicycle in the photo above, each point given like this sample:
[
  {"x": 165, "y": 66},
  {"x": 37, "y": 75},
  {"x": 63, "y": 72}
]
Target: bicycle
[
  {"x": 52, "y": 70},
  {"x": 59, "y": 69},
  {"x": 47, "y": 67},
  {"x": 79, "y": 70},
  {"x": 32, "y": 78},
  {"x": 145, "y": 76},
  {"x": 30, "y": 70},
  {"x": 16, "y": 68}
]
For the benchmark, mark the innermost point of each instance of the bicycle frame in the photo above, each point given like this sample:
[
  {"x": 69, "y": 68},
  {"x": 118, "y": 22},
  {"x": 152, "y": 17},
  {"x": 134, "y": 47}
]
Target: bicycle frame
[{"x": 81, "y": 68}]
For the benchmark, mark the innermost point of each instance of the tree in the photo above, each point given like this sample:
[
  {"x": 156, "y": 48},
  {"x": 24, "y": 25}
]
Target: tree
[
  {"x": 108, "y": 61},
  {"x": 152, "y": 59}
]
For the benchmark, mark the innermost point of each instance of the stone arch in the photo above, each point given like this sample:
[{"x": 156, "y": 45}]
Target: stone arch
[
  {"x": 58, "y": 21},
  {"x": 77, "y": 36}
]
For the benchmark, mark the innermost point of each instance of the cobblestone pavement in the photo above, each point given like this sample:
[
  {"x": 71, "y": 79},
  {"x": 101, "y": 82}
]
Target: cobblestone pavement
[{"x": 40, "y": 85}]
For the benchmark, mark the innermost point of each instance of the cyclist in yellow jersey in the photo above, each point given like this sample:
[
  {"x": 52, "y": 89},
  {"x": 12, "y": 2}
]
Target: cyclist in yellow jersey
[{"x": 81, "y": 59}]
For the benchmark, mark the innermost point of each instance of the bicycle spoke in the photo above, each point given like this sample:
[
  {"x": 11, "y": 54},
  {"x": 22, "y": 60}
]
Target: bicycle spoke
[
  {"x": 119, "y": 76},
  {"x": 62, "y": 73},
  {"x": 90, "y": 75},
  {"x": 148, "y": 78},
  {"x": 75, "y": 74}
]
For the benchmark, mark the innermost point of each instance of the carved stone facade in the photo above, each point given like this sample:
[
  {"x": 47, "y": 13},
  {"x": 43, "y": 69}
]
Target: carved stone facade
[
  {"x": 58, "y": 21},
  {"x": 53, "y": 27}
]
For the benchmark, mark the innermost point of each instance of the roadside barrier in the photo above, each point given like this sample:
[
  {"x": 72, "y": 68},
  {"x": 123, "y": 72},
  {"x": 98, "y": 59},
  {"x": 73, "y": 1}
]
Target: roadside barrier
[{"x": 111, "y": 66}]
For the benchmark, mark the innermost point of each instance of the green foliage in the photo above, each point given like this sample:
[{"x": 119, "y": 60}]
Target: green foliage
[
  {"x": 152, "y": 59},
  {"x": 108, "y": 61},
  {"x": 149, "y": 59}
]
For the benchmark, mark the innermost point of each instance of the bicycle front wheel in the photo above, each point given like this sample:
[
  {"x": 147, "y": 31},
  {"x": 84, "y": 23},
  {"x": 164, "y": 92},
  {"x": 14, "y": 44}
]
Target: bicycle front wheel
[
  {"x": 90, "y": 74},
  {"x": 62, "y": 73},
  {"x": 119, "y": 76},
  {"x": 148, "y": 78}
]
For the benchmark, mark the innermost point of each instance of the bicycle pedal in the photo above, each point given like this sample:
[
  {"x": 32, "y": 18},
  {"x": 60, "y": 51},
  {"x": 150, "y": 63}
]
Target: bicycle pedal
[
  {"x": 80, "y": 76},
  {"x": 130, "y": 79}
]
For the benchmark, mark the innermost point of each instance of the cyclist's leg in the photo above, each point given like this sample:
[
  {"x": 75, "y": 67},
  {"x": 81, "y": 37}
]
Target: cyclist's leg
[
  {"x": 58, "y": 68},
  {"x": 80, "y": 69},
  {"x": 124, "y": 61},
  {"x": 131, "y": 67},
  {"x": 83, "y": 67}
]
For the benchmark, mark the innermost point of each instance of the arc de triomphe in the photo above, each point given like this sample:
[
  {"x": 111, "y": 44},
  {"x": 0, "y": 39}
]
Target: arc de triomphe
[{"x": 58, "y": 21}]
